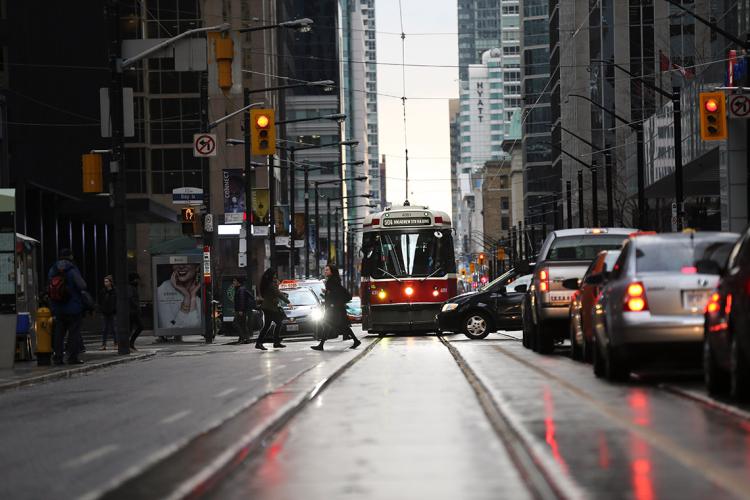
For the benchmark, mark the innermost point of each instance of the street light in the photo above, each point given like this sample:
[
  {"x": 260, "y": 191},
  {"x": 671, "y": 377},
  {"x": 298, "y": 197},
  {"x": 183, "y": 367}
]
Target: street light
[
  {"x": 638, "y": 128},
  {"x": 328, "y": 210},
  {"x": 303, "y": 25},
  {"x": 292, "y": 191}
]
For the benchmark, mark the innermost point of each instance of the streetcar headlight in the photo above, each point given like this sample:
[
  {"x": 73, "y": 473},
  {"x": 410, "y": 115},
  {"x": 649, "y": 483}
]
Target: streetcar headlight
[
  {"x": 409, "y": 291},
  {"x": 381, "y": 294},
  {"x": 450, "y": 306},
  {"x": 317, "y": 314}
]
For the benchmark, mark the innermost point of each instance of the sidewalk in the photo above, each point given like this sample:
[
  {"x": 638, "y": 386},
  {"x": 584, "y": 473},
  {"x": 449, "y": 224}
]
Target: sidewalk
[{"x": 27, "y": 372}]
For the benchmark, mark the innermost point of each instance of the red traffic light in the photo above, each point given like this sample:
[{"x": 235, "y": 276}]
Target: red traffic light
[
  {"x": 262, "y": 121},
  {"x": 711, "y": 105}
]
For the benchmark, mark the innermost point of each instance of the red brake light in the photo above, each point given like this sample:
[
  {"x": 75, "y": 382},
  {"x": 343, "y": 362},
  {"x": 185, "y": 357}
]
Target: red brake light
[
  {"x": 689, "y": 270},
  {"x": 635, "y": 298},
  {"x": 438, "y": 219},
  {"x": 543, "y": 280},
  {"x": 375, "y": 222}
]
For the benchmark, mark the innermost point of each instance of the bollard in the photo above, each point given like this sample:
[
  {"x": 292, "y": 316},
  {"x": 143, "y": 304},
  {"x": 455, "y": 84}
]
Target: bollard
[{"x": 44, "y": 324}]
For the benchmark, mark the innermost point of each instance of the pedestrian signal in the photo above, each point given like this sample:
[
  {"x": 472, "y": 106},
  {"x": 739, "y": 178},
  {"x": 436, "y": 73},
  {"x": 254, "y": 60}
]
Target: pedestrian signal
[
  {"x": 262, "y": 132},
  {"x": 713, "y": 116},
  {"x": 188, "y": 221}
]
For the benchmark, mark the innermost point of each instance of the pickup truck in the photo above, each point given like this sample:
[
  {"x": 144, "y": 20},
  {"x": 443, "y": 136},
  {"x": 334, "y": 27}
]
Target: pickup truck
[{"x": 565, "y": 254}]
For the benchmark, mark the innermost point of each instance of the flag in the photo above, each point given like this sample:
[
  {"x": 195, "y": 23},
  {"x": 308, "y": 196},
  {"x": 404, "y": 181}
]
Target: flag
[{"x": 663, "y": 62}]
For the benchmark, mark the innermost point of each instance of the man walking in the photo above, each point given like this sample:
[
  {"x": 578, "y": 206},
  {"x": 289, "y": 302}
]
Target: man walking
[
  {"x": 65, "y": 290},
  {"x": 243, "y": 305}
]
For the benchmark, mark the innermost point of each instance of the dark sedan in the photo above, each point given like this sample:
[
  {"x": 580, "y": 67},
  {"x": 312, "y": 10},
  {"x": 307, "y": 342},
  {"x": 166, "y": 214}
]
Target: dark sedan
[{"x": 497, "y": 306}]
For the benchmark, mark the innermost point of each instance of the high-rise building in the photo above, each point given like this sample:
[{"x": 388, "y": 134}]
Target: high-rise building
[
  {"x": 542, "y": 183},
  {"x": 377, "y": 183}
]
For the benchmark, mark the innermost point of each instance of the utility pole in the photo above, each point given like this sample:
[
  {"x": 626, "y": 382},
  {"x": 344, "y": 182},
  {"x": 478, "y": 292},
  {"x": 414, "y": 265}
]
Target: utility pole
[
  {"x": 317, "y": 232},
  {"x": 249, "y": 178},
  {"x": 117, "y": 171},
  {"x": 580, "y": 198},
  {"x": 608, "y": 184},
  {"x": 678, "y": 187},
  {"x": 272, "y": 212},
  {"x": 328, "y": 214},
  {"x": 292, "y": 196},
  {"x": 307, "y": 221},
  {"x": 568, "y": 195}
]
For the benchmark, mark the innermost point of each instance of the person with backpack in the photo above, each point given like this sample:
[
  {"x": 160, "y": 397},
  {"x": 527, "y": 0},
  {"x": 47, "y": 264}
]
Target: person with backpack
[
  {"x": 65, "y": 290},
  {"x": 336, "y": 320},
  {"x": 244, "y": 303},
  {"x": 108, "y": 306}
]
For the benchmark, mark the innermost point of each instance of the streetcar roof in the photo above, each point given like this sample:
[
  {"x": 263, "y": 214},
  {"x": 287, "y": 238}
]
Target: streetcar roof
[{"x": 414, "y": 214}]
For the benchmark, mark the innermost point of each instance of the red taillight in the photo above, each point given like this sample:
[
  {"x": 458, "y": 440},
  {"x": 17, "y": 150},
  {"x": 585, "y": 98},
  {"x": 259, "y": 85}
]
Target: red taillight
[
  {"x": 438, "y": 219},
  {"x": 543, "y": 280},
  {"x": 635, "y": 298},
  {"x": 713, "y": 304},
  {"x": 689, "y": 270},
  {"x": 375, "y": 222}
]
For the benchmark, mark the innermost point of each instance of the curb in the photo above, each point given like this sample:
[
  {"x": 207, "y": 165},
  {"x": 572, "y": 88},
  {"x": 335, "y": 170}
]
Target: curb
[
  {"x": 178, "y": 475},
  {"x": 72, "y": 372},
  {"x": 707, "y": 401}
]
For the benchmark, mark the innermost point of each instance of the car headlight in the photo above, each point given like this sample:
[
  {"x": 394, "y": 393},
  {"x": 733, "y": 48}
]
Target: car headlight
[
  {"x": 449, "y": 306},
  {"x": 317, "y": 315}
]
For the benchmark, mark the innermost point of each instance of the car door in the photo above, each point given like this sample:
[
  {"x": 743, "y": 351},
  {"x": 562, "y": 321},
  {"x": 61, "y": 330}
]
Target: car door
[{"x": 507, "y": 303}]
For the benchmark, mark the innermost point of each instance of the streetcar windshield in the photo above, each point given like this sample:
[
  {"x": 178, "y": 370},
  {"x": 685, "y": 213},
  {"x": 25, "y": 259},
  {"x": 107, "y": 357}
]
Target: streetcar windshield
[{"x": 398, "y": 254}]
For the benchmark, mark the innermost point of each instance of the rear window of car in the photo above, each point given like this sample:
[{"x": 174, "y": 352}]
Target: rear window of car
[
  {"x": 583, "y": 247},
  {"x": 664, "y": 255}
]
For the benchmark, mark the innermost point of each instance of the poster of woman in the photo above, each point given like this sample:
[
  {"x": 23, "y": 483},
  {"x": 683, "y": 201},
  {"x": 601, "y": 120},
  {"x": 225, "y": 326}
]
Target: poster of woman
[{"x": 177, "y": 298}]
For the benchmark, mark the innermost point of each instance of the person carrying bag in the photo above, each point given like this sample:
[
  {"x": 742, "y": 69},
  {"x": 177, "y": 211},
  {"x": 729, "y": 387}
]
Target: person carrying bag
[{"x": 336, "y": 320}]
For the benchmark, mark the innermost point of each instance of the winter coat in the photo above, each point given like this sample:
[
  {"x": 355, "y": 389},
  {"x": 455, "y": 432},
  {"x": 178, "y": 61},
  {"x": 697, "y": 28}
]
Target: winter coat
[
  {"x": 243, "y": 300},
  {"x": 272, "y": 297},
  {"x": 108, "y": 302},
  {"x": 336, "y": 298},
  {"x": 75, "y": 285}
]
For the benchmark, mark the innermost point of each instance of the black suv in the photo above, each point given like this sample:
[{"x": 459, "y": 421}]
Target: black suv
[{"x": 497, "y": 306}]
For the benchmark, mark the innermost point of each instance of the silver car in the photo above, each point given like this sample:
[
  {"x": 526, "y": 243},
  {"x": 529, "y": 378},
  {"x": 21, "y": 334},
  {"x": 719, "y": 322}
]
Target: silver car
[{"x": 651, "y": 310}]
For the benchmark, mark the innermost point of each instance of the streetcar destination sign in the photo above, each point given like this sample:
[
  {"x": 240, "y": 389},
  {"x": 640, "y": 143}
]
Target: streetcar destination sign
[{"x": 407, "y": 221}]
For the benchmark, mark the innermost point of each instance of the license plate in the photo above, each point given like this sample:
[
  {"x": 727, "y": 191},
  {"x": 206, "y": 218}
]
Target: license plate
[
  {"x": 292, "y": 327},
  {"x": 695, "y": 300}
]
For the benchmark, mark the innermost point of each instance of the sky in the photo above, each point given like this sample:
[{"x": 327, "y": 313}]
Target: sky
[{"x": 428, "y": 133}]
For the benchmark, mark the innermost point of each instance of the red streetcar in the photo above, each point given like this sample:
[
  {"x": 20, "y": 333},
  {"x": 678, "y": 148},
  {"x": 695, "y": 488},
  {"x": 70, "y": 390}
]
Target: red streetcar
[{"x": 408, "y": 269}]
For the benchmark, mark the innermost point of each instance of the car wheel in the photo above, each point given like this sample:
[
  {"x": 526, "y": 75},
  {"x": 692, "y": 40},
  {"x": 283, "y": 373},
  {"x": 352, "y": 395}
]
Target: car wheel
[
  {"x": 476, "y": 325},
  {"x": 575, "y": 349},
  {"x": 588, "y": 351},
  {"x": 545, "y": 341},
  {"x": 740, "y": 374},
  {"x": 528, "y": 328},
  {"x": 717, "y": 380},
  {"x": 615, "y": 367},
  {"x": 598, "y": 360}
]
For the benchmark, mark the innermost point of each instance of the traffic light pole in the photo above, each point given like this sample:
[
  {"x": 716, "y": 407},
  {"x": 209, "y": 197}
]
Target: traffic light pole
[
  {"x": 249, "y": 178},
  {"x": 317, "y": 232},
  {"x": 117, "y": 170},
  {"x": 580, "y": 199},
  {"x": 272, "y": 212},
  {"x": 328, "y": 220},
  {"x": 307, "y": 221}
]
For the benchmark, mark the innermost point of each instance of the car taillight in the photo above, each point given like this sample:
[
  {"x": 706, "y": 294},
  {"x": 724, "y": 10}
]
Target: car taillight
[
  {"x": 714, "y": 303},
  {"x": 543, "y": 280},
  {"x": 635, "y": 298}
]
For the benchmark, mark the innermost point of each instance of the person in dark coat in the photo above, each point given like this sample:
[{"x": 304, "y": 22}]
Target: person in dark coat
[
  {"x": 134, "y": 309},
  {"x": 272, "y": 311},
  {"x": 108, "y": 308},
  {"x": 69, "y": 310},
  {"x": 336, "y": 320},
  {"x": 244, "y": 303}
]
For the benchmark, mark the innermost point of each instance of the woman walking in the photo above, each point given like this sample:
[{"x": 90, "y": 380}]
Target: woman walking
[
  {"x": 336, "y": 319},
  {"x": 272, "y": 312},
  {"x": 108, "y": 307}
]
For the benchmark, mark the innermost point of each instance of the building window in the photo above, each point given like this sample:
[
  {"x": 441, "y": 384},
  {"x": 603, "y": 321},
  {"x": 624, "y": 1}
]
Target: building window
[{"x": 504, "y": 203}]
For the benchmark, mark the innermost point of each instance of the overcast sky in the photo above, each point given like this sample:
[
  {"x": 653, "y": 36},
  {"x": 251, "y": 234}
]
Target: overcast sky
[{"x": 427, "y": 119}]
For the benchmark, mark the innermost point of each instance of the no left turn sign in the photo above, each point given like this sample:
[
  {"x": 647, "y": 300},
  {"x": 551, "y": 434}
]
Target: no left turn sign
[
  {"x": 204, "y": 145},
  {"x": 739, "y": 106}
]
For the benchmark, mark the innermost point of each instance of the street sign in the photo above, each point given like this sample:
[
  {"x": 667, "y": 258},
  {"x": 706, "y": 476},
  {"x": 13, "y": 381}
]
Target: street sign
[
  {"x": 206, "y": 263},
  {"x": 242, "y": 260},
  {"x": 260, "y": 230},
  {"x": 204, "y": 145},
  {"x": 233, "y": 218},
  {"x": 739, "y": 106},
  {"x": 187, "y": 196}
]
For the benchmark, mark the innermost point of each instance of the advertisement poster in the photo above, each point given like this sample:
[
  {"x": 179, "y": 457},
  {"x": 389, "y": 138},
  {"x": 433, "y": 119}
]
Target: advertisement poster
[
  {"x": 234, "y": 191},
  {"x": 299, "y": 226},
  {"x": 282, "y": 220},
  {"x": 261, "y": 214},
  {"x": 177, "y": 296}
]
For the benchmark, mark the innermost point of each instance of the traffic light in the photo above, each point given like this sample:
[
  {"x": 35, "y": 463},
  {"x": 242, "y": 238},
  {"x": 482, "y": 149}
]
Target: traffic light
[
  {"x": 188, "y": 221},
  {"x": 713, "y": 116},
  {"x": 262, "y": 132},
  {"x": 224, "y": 53},
  {"x": 92, "y": 173},
  {"x": 471, "y": 267},
  {"x": 481, "y": 259},
  {"x": 501, "y": 254}
]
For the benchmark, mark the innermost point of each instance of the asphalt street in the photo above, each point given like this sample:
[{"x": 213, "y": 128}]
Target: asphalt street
[{"x": 401, "y": 417}]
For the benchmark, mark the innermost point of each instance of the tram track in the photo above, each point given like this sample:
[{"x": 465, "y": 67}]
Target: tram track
[{"x": 736, "y": 484}]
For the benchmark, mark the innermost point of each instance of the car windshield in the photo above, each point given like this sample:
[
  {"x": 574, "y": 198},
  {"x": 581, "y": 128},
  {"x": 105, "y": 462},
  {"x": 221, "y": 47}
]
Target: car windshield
[
  {"x": 302, "y": 297},
  {"x": 501, "y": 280},
  {"x": 316, "y": 286},
  {"x": 424, "y": 252},
  {"x": 583, "y": 247},
  {"x": 672, "y": 255}
]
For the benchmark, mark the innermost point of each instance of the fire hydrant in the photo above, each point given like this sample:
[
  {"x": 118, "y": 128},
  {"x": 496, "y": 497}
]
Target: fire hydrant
[{"x": 44, "y": 324}]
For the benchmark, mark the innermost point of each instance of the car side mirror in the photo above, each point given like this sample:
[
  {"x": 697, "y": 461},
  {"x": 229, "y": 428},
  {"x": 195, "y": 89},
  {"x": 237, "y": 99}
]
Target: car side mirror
[
  {"x": 522, "y": 288},
  {"x": 570, "y": 283},
  {"x": 708, "y": 266},
  {"x": 594, "y": 279}
]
